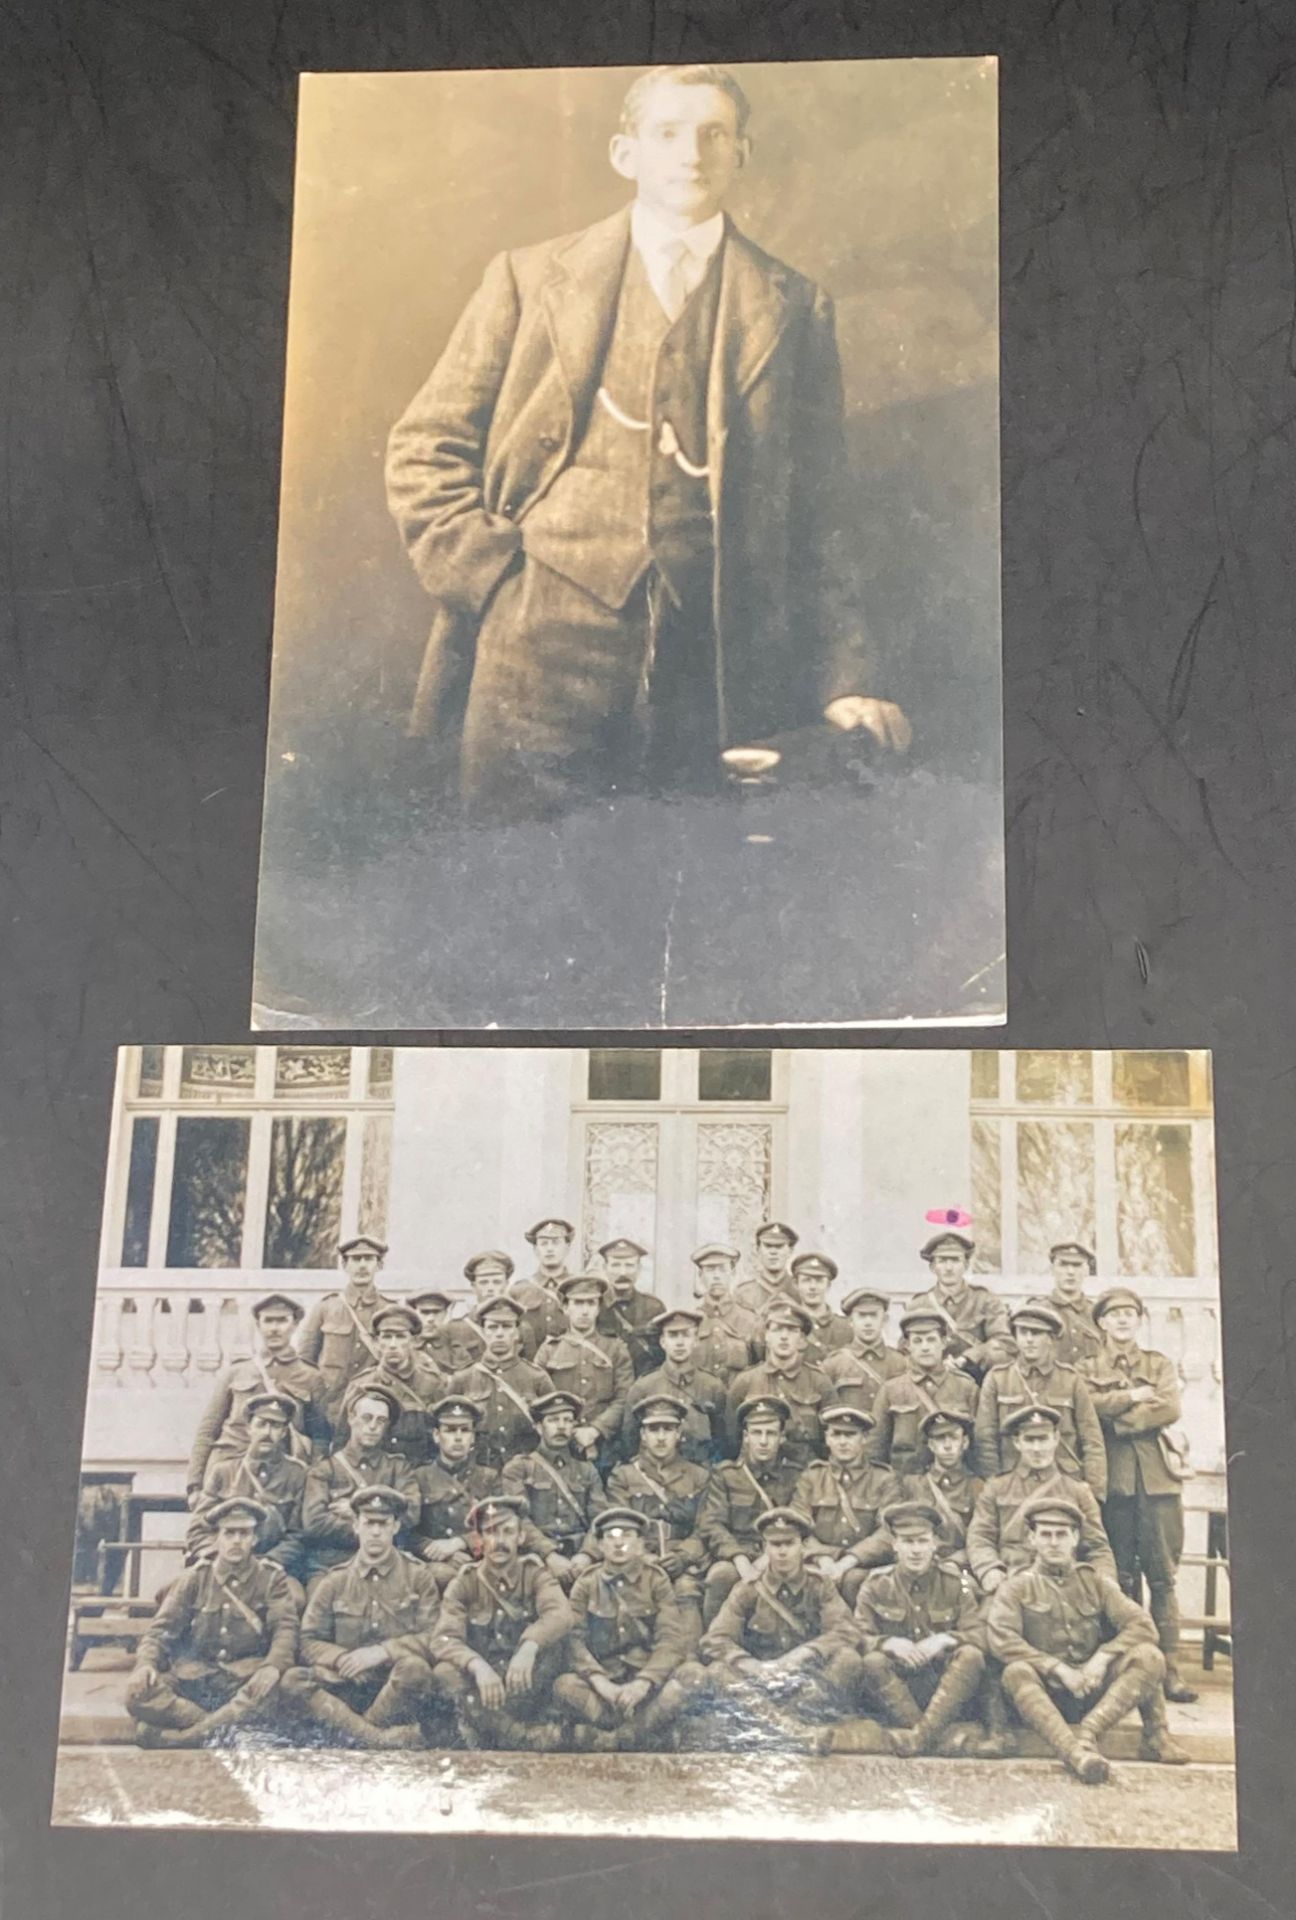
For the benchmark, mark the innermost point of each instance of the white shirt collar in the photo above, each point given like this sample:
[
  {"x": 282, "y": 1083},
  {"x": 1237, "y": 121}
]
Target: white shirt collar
[{"x": 651, "y": 235}]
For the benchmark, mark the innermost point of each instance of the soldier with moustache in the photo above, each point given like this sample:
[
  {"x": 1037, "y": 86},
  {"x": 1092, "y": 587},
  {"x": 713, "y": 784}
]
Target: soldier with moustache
[
  {"x": 593, "y": 1367},
  {"x": 738, "y": 1492},
  {"x": 365, "y": 1459},
  {"x": 561, "y": 1490},
  {"x": 998, "y": 1543},
  {"x": 728, "y": 1333},
  {"x": 927, "y": 1385},
  {"x": 629, "y": 1312},
  {"x": 859, "y": 1370},
  {"x": 1035, "y": 1377},
  {"x": 276, "y": 1367},
  {"x": 338, "y": 1336},
  {"x": 703, "y": 1393},
  {"x": 981, "y": 1336},
  {"x": 787, "y": 1374},
  {"x": 266, "y": 1472},
  {"x": 502, "y": 1385}
]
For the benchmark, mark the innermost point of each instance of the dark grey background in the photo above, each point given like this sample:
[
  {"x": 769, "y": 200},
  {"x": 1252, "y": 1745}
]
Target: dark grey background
[{"x": 1149, "y": 394}]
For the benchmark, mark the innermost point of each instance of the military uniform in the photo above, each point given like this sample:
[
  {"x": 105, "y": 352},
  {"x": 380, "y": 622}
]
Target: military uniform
[
  {"x": 757, "y": 1295},
  {"x": 504, "y": 1395},
  {"x": 278, "y": 1483},
  {"x": 594, "y": 1367},
  {"x": 702, "y": 1434},
  {"x": 735, "y": 1496},
  {"x": 1038, "y": 1619},
  {"x": 627, "y": 1627},
  {"x": 445, "y": 1496},
  {"x": 668, "y": 1493},
  {"x": 562, "y": 1494},
  {"x": 895, "y": 1605},
  {"x": 211, "y": 1633},
  {"x": 1143, "y": 1509},
  {"x": 486, "y": 1615},
  {"x": 1079, "y": 1340},
  {"x": 337, "y": 1337},
  {"x": 630, "y": 1320},
  {"x": 727, "y": 1341},
  {"x": 1006, "y": 1390},
  {"x": 953, "y": 1492},
  {"x": 982, "y": 1335},
  {"x": 415, "y": 1393},
  {"x": 997, "y": 1537},
  {"x": 453, "y": 1346},
  {"x": 328, "y": 1522},
  {"x": 392, "y": 1603},
  {"x": 846, "y": 1504},
  {"x": 904, "y": 1402},
  {"x": 858, "y": 1374},
  {"x": 223, "y": 1431},
  {"x": 830, "y": 1333},
  {"x": 805, "y": 1389},
  {"x": 544, "y": 1316}
]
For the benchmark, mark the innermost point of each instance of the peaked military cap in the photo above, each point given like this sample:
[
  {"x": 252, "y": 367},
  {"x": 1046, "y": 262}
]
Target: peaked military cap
[
  {"x": 784, "y": 1517},
  {"x": 942, "y": 1417},
  {"x": 584, "y": 1282},
  {"x": 363, "y": 1240},
  {"x": 904, "y": 1515},
  {"x": 659, "y": 1406},
  {"x": 282, "y": 1300},
  {"x": 502, "y": 1304},
  {"x": 378, "y": 1500},
  {"x": 787, "y": 1313},
  {"x": 283, "y": 1403},
  {"x": 532, "y": 1234},
  {"x": 397, "y": 1316},
  {"x": 1116, "y": 1297},
  {"x": 691, "y": 1314},
  {"x": 495, "y": 1507},
  {"x": 238, "y": 1503},
  {"x": 927, "y": 1314},
  {"x": 491, "y": 1257},
  {"x": 428, "y": 1293},
  {"x": 622, "y": 1244},
  {"x": 558, "y": 1402},
  {"x": 618, "y": 1517},
  {"x": 1052, "y": 1506},
  {"x": 1037, "y": 1313},
  {"x": 456, "y": 1406},
  {"x": 844, "y": 1415},
  {"x": 822, "y": 1260},
  {"x": 763, "y": 1403},
  {"x": 948, "y": 1237},
  {"x": 714, "y": 1250},
  {"x": 1040, "y": 1413},
  {"x": 1075, "y": 1246},
  {"x": 355, "y": 1394},
  {"x": 858, "y": 1295},
  {"x": 776, "y": 1230}
]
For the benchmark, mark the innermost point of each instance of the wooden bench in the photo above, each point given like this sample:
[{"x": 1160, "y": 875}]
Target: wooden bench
[{"x": 112, "y": 1619}]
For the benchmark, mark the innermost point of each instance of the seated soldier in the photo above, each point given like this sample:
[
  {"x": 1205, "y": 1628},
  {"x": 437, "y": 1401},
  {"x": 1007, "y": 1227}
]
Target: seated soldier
[
  {"x": 502, "y": 1384},
  {"x": 667, "y": 1490},
  {"x": 813, "y": 1275},
  {"x": 501, "y": 1639},
  {"x": 944, "y": 1482},
  {"x": 365, "y": 1677},
  {"x": 1077, "y": 1653},
  {"x": 779, "y": 1660},
  {"x": 920, "y": 1634},
  {"x": 276, "y": 1367},
  {"x": 858, "y": 1371},
  {"x": 627, "y": 1640},
  {"x": 728, "y": 1334},
  {"x": 844, "y": 1496},
  {"x": 215, "y": 1652},
  {"x": 737, "y": 1492},
  {"x": 998, "y": 1542},
  {"x": 365, "y": 1460},
  {"x": 448, "y": 1344},
  {"x": 448, "y": 1487},
  {"x": 265, "y": 1472},
  {"x": 701, "y": 1392},
  {"x": 786, "y": 1373},
  {"x": 413, "y": 1381},
  {"x": 927, "y": 1384},
  {"x": 594, "y": 1367},
  {"x": 561, "y": 1492}
]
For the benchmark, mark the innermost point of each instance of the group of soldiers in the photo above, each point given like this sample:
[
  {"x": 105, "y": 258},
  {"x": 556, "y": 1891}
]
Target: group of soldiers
[{"x": 574, "y": 1519}]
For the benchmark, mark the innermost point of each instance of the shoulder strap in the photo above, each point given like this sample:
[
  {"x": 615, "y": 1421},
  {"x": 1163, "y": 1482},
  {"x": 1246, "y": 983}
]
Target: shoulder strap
[
  {"x": 789, "y": 1619},
  {"x": 370, "y": 1343},
  {"x": 761, "y": 1493},
  {"x": 939, "y": 1500},
  {"x": 253, "y": 1620},
  {"x": 924, "y": 1398},
  {"x": 546, "y": 1466},
  {"x": 579, "y": 1339},
  {"x": 504, "y": 1387},
  {"x": 505, "y": 1605}
]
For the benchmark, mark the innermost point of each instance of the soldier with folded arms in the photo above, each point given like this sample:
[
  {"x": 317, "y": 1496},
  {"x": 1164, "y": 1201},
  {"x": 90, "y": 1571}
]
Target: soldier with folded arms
[
  {"x": 626, "y": 1641},
  {"x": 213, "y": 1656},
  {"x": 980, "y": 1336}
]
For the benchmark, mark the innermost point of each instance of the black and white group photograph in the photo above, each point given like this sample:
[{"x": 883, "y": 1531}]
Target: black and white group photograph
[
  {"x": 503, "y": 1440},
  {"x": 638, "y": 552}
]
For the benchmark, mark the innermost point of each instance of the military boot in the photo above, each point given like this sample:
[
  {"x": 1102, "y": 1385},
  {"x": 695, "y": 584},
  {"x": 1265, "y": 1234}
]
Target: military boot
[
  {"x": 888, "y": 1691},
  {"x": 954, "y": 1689},
  {"x": 1126, "y": 1691},
  {"x": 338, "y": 1717},
  {"x": 1163, "y": 1605},
  {"x": 1078, "y": 1755},
  {"x": 1158, "y": 1743}
]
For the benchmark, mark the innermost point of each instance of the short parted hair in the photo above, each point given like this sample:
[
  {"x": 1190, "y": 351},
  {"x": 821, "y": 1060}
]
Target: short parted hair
[{"x": 688, "y": 76}]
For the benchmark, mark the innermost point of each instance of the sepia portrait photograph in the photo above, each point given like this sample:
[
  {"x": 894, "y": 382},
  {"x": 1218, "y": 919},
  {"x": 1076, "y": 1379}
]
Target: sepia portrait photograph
[
  {"x": 727, "y": 1444},
  {"x": 636, "y": 651}
]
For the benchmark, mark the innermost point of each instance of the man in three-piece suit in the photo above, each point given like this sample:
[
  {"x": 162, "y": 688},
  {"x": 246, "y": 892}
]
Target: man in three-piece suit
[{"x": 622, "y": 486}]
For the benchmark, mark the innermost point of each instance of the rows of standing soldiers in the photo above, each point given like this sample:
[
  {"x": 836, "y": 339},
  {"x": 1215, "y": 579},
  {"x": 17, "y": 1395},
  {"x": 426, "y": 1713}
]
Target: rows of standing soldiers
[{"x": 571, "y": 1518}]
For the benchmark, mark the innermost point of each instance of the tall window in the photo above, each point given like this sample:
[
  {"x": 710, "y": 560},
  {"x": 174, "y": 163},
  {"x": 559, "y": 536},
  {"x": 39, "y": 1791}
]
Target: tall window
[
  {"x": 252, "y": 1157},
  {"x": 1111, "y": 1149},
  {"x": 678, "y": 1146}
]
